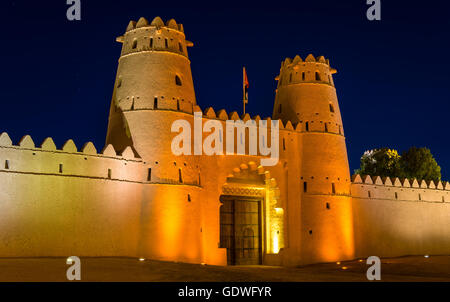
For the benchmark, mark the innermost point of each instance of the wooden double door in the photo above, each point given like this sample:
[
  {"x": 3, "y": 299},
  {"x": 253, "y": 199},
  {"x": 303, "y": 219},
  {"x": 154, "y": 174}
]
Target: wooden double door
[{"x": 240, "y": 229}]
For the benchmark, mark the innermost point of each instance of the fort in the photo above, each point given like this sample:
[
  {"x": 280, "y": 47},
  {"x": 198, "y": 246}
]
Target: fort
[{"x": 135, "y": 198}]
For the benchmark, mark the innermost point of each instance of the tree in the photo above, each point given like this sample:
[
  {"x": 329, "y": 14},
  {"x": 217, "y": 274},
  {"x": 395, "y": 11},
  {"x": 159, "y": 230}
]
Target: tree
[
  {"x": 419, "y": 163},
  {"x": 380, "y": 162}
]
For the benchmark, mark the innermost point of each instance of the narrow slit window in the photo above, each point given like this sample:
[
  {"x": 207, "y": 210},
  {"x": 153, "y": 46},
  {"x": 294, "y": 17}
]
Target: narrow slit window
[
  {"x": 290, "y": 78},
  {"x": 333, "y": 188},
  {"x": 199, "y": 179},
  {"x": 326, "y": 127},
  {"x": 284, "y": 144},
  {"x": 370, "y": 195},
  {"x": 149, "y": 174},
  {"x": 7, "y": 164},
  {"x": 303, "y": 76},
  {"x": 317, "y": 76},
  {"x": 420, "y": 197},
  {"x": 178, "y": 105},
  {"x": 443, "y": 199},
  {"x": 151, "y": 42},
  {"x": 134, "y": 44},
  {"x": 305, "y": 186},
  {"x": 396, "y": 195},
  {"x": 60, "y": 168},
  {"x": 155, "y": 103},
  {"x": 180, "y": 176},
  {"x": 307, "y": 126},
  {"x": 180, "y": 47},
  {"x": 328, "y": 205},
  {"x": 189, "y": 197},
  {"x": 177, "y": 80},
  {"x": 109, "y": 173},
  {"x": 166, "y": 43},
  {"x": 331, "y": 108},
  {"x": 329, "y": 79}
]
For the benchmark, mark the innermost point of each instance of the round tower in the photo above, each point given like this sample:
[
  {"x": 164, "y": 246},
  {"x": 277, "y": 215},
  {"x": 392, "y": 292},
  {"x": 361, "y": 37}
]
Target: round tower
[
  {"x": 306, "y": 96},
  {"x": 154, "y": 73}
]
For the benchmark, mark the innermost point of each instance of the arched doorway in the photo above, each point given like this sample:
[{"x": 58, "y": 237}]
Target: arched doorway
[{"x": 251, "y": 220}]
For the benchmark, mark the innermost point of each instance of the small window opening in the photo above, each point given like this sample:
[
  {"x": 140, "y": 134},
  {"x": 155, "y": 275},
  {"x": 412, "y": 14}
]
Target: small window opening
[
  {"x": 167, "y": 43},
  {"x": 303, "y": 76},
  {"x": 307, "y": 126},
  {"x": 333, "y": 188},
  {"x": 178, "y": 105},
  {"x": 109, "y": 173},
  {"x": 151, "y": 42},
  {"x": 305, "y": 186},
  {"x": 317, "y": 76},
  {"x": 7, "y": 164},
  {"x": 310, "y": 232},
  {"x": 199, "y": 180},
  {"x": 420, "y": 196},
  {"x": 443, "y": 199},
  {"x": 119, "y": 82},
  {"x": 60, "y": 168},
  {"x": 331, "y": 108},
  {"x": 340, "y": 131},
  {"x": 279, "y": 108},
  {"x": 396, "y": 195},
  {"x": 328, "y": 205},
  {"x": 370, "y": 195},
  {"x": 149, "y": 174},
  {"x": 177, "y": 80},
  {"x": 180, "y": 177},
  {"x": 284, "y": 144},
  {"x": 134, "y": 44},
  {"x": 326, "y": 127},
  {"x": 329, "y": 79},
  {"x": 290, "y": 78},
  {"x": 189, "y": 197},
  {"x": 155, "y": 103},
  {"x": 180, "y": 47}
]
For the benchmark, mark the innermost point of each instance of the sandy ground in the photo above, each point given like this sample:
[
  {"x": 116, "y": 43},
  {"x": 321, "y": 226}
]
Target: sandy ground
[{"x": 435, "y": 268}]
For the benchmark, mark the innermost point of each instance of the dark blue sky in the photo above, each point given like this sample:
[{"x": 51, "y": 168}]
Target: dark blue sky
[{"x": 393, "y": 75}]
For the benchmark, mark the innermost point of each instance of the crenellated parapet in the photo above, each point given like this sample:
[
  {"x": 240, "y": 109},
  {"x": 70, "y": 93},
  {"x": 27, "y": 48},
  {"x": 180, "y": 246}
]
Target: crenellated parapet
[
  {"x": 87, "y": 162},
  {"x": 311, "y": 70},
  {"x": 403, "y": 189},
  {"x": 154, "y": 36}
]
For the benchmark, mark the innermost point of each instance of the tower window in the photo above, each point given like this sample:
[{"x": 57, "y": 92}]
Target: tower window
[
  {"x": 333, "y": 188},
  {"x": 370, "y": 195},
  {"x": 134, "y": 44},
  {"x": 180, "y": 177},
  {"x": 177, "y": 80},
  {"x": 60, "y": 168},
  {"x": 329, "y": 79},
  {"x": 151, "y": 42},
  {"x": 340, "y": 132},
  {"x": 119, "y": 82},
  {"x": 303, "y": 76},
  {"x": 109, "y": 173},
  {"x": 155, "y": 103},
  {"x": 284, "y": 144},
  {"x": 189, "y": 197},
  {"x": 317, "y": 76},
  {"x": 396, "y": 195},
  {"x": 328, "y": 205},
  {"x": 279, "y": 108},
  {"x": 307, "y": 126},
  {"x": 420, "y": 197},
  {"x": 149, "y": 174},
  {"x": 305, "y": 186},
  {"x": 331, "y": 108},
  {"x": 166, "y": 43},
  {"x": 178, "y": 105},
  {"x": 326, "y": 127},
  {"x": 290, "y": 78},
  {"x": 180, "y": 47},
  {"x": 7, "y": 164},
  {"x": 199, "y": 180}
]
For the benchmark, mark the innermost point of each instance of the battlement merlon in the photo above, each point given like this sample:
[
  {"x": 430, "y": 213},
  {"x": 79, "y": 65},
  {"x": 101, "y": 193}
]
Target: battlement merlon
[{"x": 156, "y": 25}]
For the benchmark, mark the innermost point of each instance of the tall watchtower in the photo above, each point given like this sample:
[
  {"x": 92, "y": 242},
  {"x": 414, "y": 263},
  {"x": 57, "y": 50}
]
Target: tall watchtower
[
  {"x": 306, "y": 96},
  {"x": 154, "y": 74}
]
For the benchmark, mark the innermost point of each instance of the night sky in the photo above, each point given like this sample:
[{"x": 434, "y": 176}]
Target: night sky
[{"x": 393, "y": 78}]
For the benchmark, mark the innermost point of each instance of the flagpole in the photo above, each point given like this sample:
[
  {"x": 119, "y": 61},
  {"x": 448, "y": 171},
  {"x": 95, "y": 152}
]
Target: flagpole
[{"x": 243, "y": 87}]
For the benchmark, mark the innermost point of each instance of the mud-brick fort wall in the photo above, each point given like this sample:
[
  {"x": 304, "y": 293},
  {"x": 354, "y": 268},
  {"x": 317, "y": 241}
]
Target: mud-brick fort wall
[
  {"x": 64, "y": 202},
  {"x": 394, "y": 217}
]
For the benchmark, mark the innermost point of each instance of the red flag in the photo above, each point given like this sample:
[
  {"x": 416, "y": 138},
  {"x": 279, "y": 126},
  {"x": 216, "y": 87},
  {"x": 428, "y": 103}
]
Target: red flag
[{"x": 245, "y": 86}]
